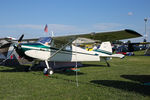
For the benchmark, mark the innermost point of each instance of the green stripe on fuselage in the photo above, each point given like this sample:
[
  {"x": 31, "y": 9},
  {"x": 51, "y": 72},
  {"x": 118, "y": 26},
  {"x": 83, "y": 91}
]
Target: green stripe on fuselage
[
  {"x": 38, "y": 46},
  {"x": 102, "y": 51},
  {"x": 34, "y": 46}
]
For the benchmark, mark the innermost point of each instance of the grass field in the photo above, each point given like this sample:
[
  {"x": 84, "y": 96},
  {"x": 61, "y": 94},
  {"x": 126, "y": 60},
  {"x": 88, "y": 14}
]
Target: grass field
[{"x": 124, "y": 80}]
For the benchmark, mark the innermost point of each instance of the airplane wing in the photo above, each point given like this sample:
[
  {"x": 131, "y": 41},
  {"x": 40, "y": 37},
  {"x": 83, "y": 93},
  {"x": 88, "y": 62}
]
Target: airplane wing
[
  {"x": 100, "y": 36},
  {"x": 97, "y": 36}
]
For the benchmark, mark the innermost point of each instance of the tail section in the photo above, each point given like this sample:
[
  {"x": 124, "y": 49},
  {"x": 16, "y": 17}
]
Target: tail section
[{"x": 106, "y": 47}]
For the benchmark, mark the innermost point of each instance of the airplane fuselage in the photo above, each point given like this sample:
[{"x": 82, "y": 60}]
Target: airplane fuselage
[{"x": 39, "y": 51}]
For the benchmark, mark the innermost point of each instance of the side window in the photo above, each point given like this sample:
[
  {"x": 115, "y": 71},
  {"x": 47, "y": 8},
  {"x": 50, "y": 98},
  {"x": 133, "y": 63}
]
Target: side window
[{"x": 68, "y": 47}]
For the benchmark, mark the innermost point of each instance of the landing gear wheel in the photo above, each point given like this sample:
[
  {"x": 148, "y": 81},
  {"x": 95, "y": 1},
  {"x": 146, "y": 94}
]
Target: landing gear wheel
[{"x": 50, "y": 71}]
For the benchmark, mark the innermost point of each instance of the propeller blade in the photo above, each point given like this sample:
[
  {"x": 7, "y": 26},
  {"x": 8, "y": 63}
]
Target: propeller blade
[{"x": 20, "y": 39}]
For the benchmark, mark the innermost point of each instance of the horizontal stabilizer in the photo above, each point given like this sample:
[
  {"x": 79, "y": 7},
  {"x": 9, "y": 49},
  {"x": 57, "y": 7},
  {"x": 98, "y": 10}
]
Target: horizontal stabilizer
[
  {"x": 115, "y": 55},
  {"x": 118, "y": 55}
]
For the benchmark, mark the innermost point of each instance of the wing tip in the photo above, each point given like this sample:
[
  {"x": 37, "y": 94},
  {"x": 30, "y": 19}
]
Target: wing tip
[{"x": 133, "y": 32}]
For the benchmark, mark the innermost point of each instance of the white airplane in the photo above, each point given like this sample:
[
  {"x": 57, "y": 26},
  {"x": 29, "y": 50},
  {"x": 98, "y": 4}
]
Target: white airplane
[{"x": 65, "y": 49}]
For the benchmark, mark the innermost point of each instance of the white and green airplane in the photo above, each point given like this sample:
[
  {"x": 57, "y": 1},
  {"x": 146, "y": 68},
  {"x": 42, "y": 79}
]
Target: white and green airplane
[{"x": 65, "y": 49}]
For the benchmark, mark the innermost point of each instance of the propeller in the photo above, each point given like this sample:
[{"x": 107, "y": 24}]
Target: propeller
[
  {"x": 15, "y": 47},
  {"x": 8, "y": 56},
  {"x": 20, "y": 39}
]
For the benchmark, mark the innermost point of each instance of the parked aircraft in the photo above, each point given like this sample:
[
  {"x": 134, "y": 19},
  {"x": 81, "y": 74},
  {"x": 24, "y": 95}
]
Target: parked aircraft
[
  {"x": 65, "y": 48},
  {"x": 5, "y": 44}
]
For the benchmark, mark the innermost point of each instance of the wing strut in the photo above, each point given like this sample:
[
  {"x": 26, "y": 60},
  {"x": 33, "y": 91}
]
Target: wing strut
[
  {"x": 49, "y": 70},
  {"x": 61, "y": 48}
]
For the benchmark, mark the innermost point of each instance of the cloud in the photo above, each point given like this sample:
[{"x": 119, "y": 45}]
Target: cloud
[
  {"x": 61, "y": 27},
  {"x": 23, "y": 26},
  {"x": 58, "y": 29},
  {"x": 130, "y": 13}
]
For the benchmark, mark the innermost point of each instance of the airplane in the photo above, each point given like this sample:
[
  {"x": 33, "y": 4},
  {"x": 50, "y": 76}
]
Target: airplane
[
  {"x": 65, "y": 48},
  {"x": 5, "y": 44}
]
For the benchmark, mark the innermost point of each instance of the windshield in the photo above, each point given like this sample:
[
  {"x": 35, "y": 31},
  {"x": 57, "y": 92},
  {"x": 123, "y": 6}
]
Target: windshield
[{"x": 45, "y": 40}]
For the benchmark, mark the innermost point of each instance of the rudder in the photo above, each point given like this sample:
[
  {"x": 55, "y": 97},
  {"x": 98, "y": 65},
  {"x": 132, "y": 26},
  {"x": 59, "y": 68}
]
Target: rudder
[{"x": 106, "y": 46}]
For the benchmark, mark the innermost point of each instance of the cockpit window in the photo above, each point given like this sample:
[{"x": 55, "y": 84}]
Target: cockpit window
[{"x": 45, "y": 40}]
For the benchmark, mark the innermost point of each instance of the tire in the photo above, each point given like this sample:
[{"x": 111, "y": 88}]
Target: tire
[{"x": 50, "y": 71}]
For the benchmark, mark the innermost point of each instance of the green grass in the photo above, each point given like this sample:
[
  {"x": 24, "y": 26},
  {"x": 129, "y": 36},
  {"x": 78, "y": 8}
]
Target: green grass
[{"x": 122, "y": 81}]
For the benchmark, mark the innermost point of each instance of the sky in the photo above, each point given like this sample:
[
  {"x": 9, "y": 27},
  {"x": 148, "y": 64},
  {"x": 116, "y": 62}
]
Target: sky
[{"x": 65, "y": 17}]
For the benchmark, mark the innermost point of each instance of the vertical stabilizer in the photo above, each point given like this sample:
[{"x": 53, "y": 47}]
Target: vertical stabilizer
[{"x": 106, "y": 47}]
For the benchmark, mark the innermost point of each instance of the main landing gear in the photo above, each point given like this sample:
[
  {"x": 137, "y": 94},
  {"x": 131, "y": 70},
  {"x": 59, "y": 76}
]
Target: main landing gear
[{"x": 48, "y": 70}]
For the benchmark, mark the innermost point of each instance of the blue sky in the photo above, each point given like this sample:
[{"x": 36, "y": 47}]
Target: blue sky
[{"x": 72, "y": 16}]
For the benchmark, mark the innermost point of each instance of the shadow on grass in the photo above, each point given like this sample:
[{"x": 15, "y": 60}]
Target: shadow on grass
[
  {"x": 21, "y": 68},
  {"x": 17, "y": 68},
  {"x": 126, "y": 86},
  {"x": 139, "y": 78},
  {"x": 73, "y": 80},
  {"x": 69, "y": 73},
  {"x": 93, "y": 65}
]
